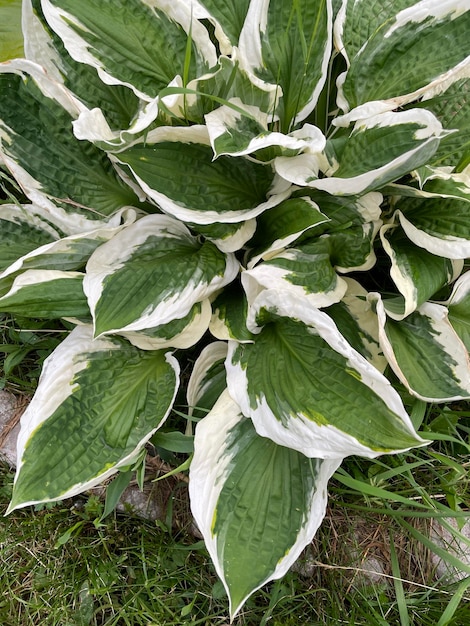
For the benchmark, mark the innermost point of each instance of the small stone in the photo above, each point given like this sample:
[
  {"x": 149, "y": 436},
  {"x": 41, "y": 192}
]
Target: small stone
[
  {"x": 443, "y": 538},
  {"x": 9, "y": 427}
]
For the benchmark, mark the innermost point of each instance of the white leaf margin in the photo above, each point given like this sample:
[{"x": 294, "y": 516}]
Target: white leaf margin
[
  {"x": 55, "y": 387},
  {"x": 36, "y": 277},
  {"x": 186, "y": 338},
  {"x": 90, "y": 124},
  {"x": 450, "y": 246},
  {"x": 403, "y": 280},
  {"x": 444, "y": 336},
  {"x": 176, "y": 10},
  {"x": 31, "y": 215},
  {"x": 220, "y": 122},
  {"x": 198, "y": 382},
  {"x": 306, "y": 175},
  {"x": 417, "y": 13},
  {"x": 112, "y": 255},
  {"x": 62, "y": 246},
  {"x": 303, "y": 435},
  {"x": 250, "y": 49},
  {"x": 280, "y": 189},
  {"x": 460, "y": 290},
  {"x": 355, "y": 300},
  {"x": 206, "y": 481},
  {"x": 270, "y": 276}
]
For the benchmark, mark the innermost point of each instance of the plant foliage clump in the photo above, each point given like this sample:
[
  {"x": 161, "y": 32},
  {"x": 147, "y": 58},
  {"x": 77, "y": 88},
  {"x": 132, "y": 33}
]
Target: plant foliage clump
[{"x": 282, "y": 188}]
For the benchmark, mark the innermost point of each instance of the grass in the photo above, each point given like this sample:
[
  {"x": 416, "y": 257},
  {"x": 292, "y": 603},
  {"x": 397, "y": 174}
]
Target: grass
[{"x": 61, "y": 566}]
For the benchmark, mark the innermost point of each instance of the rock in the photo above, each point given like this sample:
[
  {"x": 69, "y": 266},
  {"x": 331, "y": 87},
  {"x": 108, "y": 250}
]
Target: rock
[
  {"x": 10, "y": 411},
  {"x": 454, "y": 546}
]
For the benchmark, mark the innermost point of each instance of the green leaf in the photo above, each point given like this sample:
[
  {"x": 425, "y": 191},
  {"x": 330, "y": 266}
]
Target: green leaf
[
  {"x": 138, "y": 43},
  {"x": 11, "y": 37},
  {"x": 114, "y": 491},
  {"x": 174, "y": 441},
  {"x": 417, "y": 274},
  {"x": 352, "y": 228},
  {"x": 289, "y": 44},
  {"x": 406, "y": 54},
  {"x": 257, "y": 504},
  {"x": 305, "y": 387},
  {"x": 96, "y": 405},
  {"x": 426, "y": 353},
  {"x": 48, "y": 294},
  {"x": 39, "y": 148},
  {"x": 151, "y": 273},
  {"x": 305, "y": 270},
  {"x": 225, "y": 190}
]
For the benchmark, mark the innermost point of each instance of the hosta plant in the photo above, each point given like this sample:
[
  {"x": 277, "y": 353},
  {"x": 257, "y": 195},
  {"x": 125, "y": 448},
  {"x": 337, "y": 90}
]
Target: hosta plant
[{"x": 276, "y": 194}]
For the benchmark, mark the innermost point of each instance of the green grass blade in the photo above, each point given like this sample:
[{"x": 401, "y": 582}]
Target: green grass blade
[
  {"x": 398, "y": 584},
  {"x": 446, "y": 617}
]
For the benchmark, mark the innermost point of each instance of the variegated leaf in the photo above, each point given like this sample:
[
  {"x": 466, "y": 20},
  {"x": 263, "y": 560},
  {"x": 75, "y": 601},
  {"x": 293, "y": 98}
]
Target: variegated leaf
[
  {"x": 439, "y": 225},
  {"x": 137, "y": 43},
  {"x": 289, "y": 44},
  {"x": 425, "y": 353},
  {"x": 38, "y": 146},
  {"x": 358, "y": 323},
  {"x": 226, "y": 81},
  {"x": 48, "y": 294},
  {"x": 379, "y": 150},
  {"x": 306, "y": 271},
  {"x": 227, "y": 237},
  {"x": 21, "y": 231},
  {"x": 179, "y": 333},
  {"x": 234, "y": 473},
  {"x": 208, "y": 379},
  {"x": 280, "y": 226},
  {"x": 305, "y": 387},
  {"x": 175, "y": 168},
  {"x": 244, "y": 130},
  {"x": 406, "y": 52},
  {"x": 97, "y": 403},
  {"x": 108, "y": 112},
  {"x": 459, "y": 308},
  {"x": 230, "y": 311},
  {"x": 452, "y": 109},
  {"x": 227, "y": 17},
  {"x": 151, "y": 273},
  {"x": 67, "y": 253},
  {"x": 356, "y": 22},
  {"x": 417, "y": 274}
]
